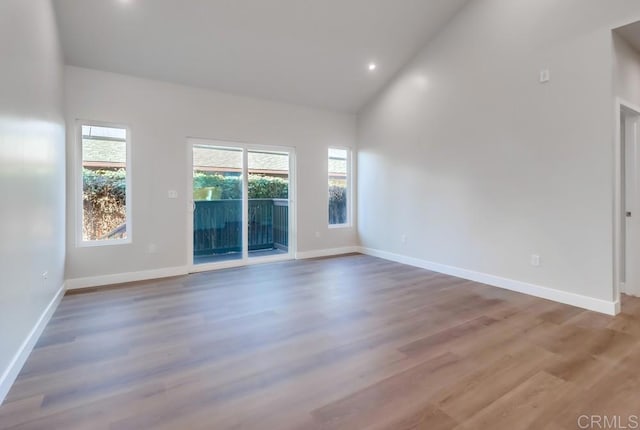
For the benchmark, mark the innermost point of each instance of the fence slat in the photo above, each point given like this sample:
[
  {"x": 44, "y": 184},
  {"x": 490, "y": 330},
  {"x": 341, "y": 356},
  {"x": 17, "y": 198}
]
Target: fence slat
[{"x": 218, "y": 225}]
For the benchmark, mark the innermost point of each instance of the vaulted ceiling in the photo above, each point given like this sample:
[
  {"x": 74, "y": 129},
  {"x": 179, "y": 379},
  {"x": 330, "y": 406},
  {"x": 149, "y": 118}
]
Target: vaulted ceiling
[{"x": 309, "y": 52}]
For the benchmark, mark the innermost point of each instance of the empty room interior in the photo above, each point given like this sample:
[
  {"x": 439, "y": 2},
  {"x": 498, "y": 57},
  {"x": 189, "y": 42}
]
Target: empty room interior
[{"x": 338, "y": 214}]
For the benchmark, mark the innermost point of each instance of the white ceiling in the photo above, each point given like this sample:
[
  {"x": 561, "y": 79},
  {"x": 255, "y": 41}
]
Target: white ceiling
[{"x": 310, "y": 52}]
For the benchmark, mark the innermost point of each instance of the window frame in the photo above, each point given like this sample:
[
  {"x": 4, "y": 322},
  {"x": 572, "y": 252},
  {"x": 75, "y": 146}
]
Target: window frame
[
  {"x": 349, "y": 222},
  {"x": 79, "y": 189}
]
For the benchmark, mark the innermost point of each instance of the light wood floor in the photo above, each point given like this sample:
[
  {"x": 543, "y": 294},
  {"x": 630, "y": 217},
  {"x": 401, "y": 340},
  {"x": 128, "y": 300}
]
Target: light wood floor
[{"x": 345, "y": 343}]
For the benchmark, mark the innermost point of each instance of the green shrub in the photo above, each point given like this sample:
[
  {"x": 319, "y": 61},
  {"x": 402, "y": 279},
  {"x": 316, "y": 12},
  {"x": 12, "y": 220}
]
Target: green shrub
[
  {"x": 100, "y": 183},
  {"x": 230, "y": 187},
  {"x": 105, "y": 196},
  {"x": 104, "y": 201},
  {"x": 265, "y": 187}
]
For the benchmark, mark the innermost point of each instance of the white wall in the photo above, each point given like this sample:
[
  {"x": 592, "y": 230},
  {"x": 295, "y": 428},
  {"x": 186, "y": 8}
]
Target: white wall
[
  {"x": 627, "y": 70},
  {"x": 161, "y": 117},
  {"x": 32, "y": 165},
  {"x": 482, "y": 166}
]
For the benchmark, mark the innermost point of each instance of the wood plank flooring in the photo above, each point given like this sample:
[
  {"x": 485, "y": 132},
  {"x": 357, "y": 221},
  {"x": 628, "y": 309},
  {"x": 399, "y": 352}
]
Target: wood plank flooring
[{"x": 352, "y": 342}]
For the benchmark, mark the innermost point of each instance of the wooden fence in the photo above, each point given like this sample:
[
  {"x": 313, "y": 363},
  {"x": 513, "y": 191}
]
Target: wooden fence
[
  {"x": 281, "y": 224},
  {"x": 218, "y": 225}
]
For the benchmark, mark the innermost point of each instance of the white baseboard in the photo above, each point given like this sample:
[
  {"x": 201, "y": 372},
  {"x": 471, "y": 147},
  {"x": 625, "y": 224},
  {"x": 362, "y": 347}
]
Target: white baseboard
[
  {"x": 11, "y": 373},
  {"x": 120, "y": 278},
  {"x": 578, "y": 300},
  {"x": 326, "y": 252}
]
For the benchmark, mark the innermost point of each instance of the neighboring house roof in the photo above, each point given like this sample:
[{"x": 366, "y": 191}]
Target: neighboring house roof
[
  {"x": 107, "y": 151},
  {"x": 206, "y": 158},
  {"x": 338, "y": 166},
  {"x": 112, "y": 153}
]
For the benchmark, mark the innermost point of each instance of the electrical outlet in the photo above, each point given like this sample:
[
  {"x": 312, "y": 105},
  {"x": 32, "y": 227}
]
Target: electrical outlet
[
  {"x": 403, "y": 238},
  {"x": 535, "y": 260},
  {"x": 317, "y": 234},
  {"x": 152, "y": 248},
  {"x": 172, "y": 194}
]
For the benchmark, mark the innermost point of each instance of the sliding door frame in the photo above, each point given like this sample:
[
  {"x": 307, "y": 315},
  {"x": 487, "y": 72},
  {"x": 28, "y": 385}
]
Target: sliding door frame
[{"x": 292, "y": 189}]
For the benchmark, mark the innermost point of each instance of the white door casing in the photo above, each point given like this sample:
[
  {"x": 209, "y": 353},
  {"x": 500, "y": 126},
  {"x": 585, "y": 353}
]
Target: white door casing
[{"x": 630, "y": 279}]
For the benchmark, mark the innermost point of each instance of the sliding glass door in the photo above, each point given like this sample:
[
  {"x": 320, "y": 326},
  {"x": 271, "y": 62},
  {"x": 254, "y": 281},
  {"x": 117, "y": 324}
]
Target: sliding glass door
[
  {"x": 268, "y": 203},
  {"x": 241, "y": 200},
  {"x": 217, "y": 204}
]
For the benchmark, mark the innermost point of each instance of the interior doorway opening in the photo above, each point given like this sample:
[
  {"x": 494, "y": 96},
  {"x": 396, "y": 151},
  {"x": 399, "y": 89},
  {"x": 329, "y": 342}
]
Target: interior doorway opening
[{"x": 629, "y": 267}]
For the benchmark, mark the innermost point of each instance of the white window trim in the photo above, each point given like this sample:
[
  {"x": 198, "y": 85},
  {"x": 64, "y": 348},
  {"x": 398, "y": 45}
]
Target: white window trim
[
  {"x": 349, "y": 223},
  {"x": 80, "y": 242}
]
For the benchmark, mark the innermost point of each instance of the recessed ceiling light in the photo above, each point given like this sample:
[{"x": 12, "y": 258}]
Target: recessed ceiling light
[{"x": 372, "y": 67}]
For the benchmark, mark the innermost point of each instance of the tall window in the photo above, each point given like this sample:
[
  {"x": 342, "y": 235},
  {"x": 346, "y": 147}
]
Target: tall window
[
  {"x": 105, "y": 186},
  {"x": 339, "y": 178}
]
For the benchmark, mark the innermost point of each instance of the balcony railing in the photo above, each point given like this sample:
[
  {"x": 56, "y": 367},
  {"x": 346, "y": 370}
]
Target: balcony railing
[{"x": 218, "y": 226}]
